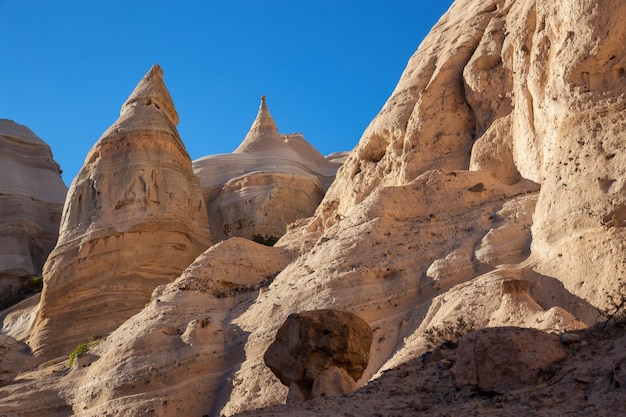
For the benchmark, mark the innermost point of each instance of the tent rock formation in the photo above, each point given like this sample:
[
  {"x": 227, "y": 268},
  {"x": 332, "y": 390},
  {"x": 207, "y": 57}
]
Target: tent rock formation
[
  {"x": 268, "y": 182},
  {"x": 134, "y": 219}
]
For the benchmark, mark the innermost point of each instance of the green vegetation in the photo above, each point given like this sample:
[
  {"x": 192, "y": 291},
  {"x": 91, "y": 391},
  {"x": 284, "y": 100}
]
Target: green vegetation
[
  {"x": 448, "y": 335},
  {"x": 82, "y": 348},
  {"x": 267, "y": 240},
  {"x": 33, "y": 284}
]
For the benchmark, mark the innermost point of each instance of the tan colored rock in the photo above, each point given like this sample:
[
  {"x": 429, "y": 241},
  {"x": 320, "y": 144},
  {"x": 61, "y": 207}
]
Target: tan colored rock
[
  {"x": 14, "y": 358},
  {"x": 18, "y": 319},
  {"x": 31, "y": 201},
  {"x": 503, "y": 359},
  {"x": 519, "y": 96},
  {"x": 311, "y": 344},
  {"x": 134, "y": 219},
  {"x": 261, "y": 203},
  {"x": 496, "y": 162},
  {"x": 268, "y": 182},
  {"x": 178, "y": 355}
]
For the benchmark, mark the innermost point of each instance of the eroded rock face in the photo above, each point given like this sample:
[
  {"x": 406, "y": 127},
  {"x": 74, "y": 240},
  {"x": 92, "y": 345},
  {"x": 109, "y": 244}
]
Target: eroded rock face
[
  {"x": 319, "y": 353},
  {"x": 178, "y": 355},
  {"x": 268, "y": 182},
  {"x": 14, "y": 358},
  {"x": 502, "y": 359},
  {"x": 490, "y": 186},
  {"x": 496, "y": 158},
  {"x": 134, "y": 219},
  {"x": 31, "y": 201}
]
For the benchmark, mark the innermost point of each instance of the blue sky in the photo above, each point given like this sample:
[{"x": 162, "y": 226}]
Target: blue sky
[{"x": 327, "y": 67}]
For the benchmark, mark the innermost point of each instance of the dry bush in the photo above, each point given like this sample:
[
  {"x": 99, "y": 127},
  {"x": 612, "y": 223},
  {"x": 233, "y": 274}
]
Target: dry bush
[{"x": 448, "y": 335}]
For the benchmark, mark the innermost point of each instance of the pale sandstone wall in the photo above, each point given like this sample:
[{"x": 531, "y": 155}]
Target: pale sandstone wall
[{"x": 268, "y": 182}]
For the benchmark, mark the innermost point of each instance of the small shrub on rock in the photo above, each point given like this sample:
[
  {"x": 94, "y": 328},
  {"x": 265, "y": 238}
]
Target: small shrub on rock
[
  {"x": 267, "y": 240},
  {"x": 448, "y": 335}
]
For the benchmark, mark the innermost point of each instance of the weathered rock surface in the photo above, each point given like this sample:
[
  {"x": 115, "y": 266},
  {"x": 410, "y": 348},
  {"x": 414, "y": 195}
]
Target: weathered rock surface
[
  {"x": 503, "y": 359},
  {"x": 496, "y": 158},
  {"x": 491, "y": 186},
  {"x": 268, "y": 182},
  {"x": 320, "y": 352},
  {"x": 31, "y": 201},
  {"x": 134, "y": 219},
  {"x": 14, "y": 358},
  {"x": 178, "y": 355},
  {"x": 589, "y": 381}
]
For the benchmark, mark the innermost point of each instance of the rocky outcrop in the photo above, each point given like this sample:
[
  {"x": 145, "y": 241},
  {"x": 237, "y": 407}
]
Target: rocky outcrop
[
  {"x": 503, "y": 359},
  {"x": 14, "y": 358},
  {"x": 268, "y": 182},
  {"x": 178, "y": 355},
  {"x": 489, "y": 186},
  {"x": 134, "y": 219},
  {"x": 496, "y": 158},
  {"x": 31, "y": 201},
  {"x": 320, "y": 353}
]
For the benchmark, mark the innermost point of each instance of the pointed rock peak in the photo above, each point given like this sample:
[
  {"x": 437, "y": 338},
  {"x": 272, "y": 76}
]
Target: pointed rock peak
[
  {"x": 263, "y": 135},
  {"x": 151, "y": 91},
  {"x": 264, "y": 118}
]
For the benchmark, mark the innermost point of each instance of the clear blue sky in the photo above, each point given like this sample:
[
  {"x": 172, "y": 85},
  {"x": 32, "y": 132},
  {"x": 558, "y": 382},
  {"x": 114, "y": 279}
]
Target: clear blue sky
[{"x": 327, "y": 67}]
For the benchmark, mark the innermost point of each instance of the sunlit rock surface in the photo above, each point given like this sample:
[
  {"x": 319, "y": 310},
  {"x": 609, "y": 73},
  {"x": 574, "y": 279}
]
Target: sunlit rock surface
[
  {"x": 134, "y": 219},
  {"x": 268, "y": 182},
  {"x": 490, "y": 186}
]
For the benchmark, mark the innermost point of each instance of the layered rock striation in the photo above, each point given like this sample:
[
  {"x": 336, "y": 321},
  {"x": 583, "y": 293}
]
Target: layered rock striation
[
  {"x": 32, "y": 193},
  {"x": 490, "y": 186},
  {"x": 134, "y": 219},
  {"x": 268, "y": 182}
]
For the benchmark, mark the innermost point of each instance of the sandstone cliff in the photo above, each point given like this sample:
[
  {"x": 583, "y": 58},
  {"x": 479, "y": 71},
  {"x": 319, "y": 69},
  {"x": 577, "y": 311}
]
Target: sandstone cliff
[
  {"x": 268, "y": 182},
  {"x": 495, "y": 161},
  {"x": 490, "y": 186},
  {"x": 31, "y": 201},
  {"x": 134, "y": 219}
]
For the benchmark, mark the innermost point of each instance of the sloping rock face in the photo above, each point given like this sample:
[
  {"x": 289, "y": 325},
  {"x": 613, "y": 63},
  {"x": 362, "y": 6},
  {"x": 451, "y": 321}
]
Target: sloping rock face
[
  {"x": 490, "y": 186},
  {"x": 268, "y": 182},
  {"x": 31, "y": 201},
  {"x": 495, "y": 159},
  {"x": 176, "y": 356},
  {"x": 134, "y": 219}
]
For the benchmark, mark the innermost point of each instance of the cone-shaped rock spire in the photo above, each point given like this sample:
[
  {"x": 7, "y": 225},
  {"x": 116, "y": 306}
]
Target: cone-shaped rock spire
[
  {"x": 133, "y": 219},
  {"x": 263, "y": 134},
  {"x": 151, "y": 91}
]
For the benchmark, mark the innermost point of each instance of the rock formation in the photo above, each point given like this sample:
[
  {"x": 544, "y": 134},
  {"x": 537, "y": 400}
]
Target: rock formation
[
  {"x": 31, "y": 201},
  {"x": 496, "y": 158},
  {"x": 491, "y": 186},
  {"x": 175, "y": 355},
  {"x": 134, "y": 219},
  {"x": 268, "y": 182},
  {"x": 320, "y": 353},
  {"x": 505, "y": 358}
]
